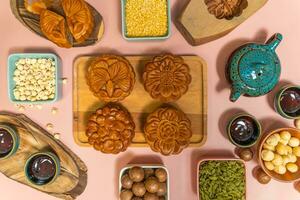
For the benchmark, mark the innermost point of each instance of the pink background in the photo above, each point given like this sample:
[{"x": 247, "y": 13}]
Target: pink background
[{"x": 276, "y": 16}]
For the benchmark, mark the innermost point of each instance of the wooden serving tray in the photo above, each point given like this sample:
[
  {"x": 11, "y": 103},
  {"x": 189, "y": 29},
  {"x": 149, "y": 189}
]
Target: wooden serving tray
[
  {"x": 139, "y": 103},
  {"x": 198, "y": 26},
  {"x": 72, "y": 180},
  {"x": 32, "y": 21}
]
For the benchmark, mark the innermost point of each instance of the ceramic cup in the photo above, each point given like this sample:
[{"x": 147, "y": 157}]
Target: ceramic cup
[
  {"x": 9, "y": 139},
  {"x": 42, "y": 168},
  {"x": 243, "y": 130},
  {"x": 279, "y": 98}
]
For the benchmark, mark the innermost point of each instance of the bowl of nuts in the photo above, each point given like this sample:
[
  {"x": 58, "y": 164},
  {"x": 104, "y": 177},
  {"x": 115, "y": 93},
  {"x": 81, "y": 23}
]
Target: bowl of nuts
[
  {"x": 148, "y": 182},
  {"x": 279, "y": 154},
  {"x": 33, "y": 78}
]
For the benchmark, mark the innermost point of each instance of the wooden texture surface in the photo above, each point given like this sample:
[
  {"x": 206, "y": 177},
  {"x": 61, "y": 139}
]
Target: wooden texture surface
[
  {"x": 198, "y": 26},
  {"x": 31, "y": 21},
  {"x": 73, "y": 176},
  {"x": 139, "y": 103}
]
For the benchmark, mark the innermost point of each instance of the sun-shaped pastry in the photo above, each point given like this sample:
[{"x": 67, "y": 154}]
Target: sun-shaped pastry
[
  {"x": 111, "y": 78},
  {"x": 79, "y": 18},
  {"x": 226, "y": 8},
  {"x": 53, "y": 27},
  {"x": 110, "y": 129},
  {"x": 166, "y": 78},
  {"x": 168, "y": 131}
]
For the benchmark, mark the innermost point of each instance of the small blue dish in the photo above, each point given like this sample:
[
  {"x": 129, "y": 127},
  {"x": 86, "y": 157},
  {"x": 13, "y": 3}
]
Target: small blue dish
[
  {"x": 13, "y": 58},
  {"x": 124, "y": 30}
]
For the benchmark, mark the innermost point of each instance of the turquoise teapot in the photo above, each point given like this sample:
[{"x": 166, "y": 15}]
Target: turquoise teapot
[{"x": 254, "y": 69}]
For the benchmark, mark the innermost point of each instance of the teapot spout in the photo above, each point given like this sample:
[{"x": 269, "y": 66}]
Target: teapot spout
[
  {"x": 235, "y": 94},
  {"x": 274, "y": 41}
]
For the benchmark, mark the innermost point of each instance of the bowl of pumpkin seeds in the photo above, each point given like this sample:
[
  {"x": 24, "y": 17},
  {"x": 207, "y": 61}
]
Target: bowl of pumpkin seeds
[{"x": 221, "y": 179}]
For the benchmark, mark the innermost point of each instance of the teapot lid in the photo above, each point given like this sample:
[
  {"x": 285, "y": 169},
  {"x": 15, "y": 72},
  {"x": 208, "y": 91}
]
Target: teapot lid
[{"x": 255, "y": 68}]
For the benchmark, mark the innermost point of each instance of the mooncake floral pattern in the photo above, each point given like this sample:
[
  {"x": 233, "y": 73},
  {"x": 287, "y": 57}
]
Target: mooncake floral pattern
[
  {"x": 111, "y": 78},
  {"x": 168, "y": 131},
  {"x": 166, "y": 78},
  {"x": 226, "y": 8},
  {"x": 79, "y": 19},
  {"x": 110, "y": 129},
  {"x": 53, "y": 27}
]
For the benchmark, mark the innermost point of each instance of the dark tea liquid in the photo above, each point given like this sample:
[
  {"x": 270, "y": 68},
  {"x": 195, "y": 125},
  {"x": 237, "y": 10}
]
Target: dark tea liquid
[
  {"x": 244, "y": 130},
  {"x": 290, "y": 101},
  {"x": 41, "y": 169},
  {"x": 6, "y": 142}
]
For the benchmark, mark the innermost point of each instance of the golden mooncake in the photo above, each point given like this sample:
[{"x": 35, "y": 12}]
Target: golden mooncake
[
  {"x": 35, "y": 6},
  {"x": 110, "y": 129},
  {"x": 168, "y": 131},
  {"x": 111, "y": 78},
  {"x": 166, "y": 78},
  {"x": 53, "y": 27},
  {"x": 226, "y": 8},
  {"x": 79, "y": 19}
]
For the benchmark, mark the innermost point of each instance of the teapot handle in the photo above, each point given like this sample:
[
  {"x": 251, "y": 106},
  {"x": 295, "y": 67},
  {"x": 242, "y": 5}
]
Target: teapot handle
[{"x": 274, "y": 41}]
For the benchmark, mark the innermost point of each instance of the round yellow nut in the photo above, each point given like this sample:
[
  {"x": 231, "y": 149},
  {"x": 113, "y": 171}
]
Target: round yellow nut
[
  {"x": 284, "y": 142},
  {"x": 294, "y": 142},
  {"x": 296, "y": 151},
  {"x": 280, "y": 169},
  {"x": 269, "y": 166},
  {"x": 286, "y": 159},
  {"x": 268, "y": 147},
  {"x": 281, "y": 149},
  {"x": 267, "y": 155},
  {"x": 277, "y": 136},
  {"x": 289, "y": 149},
  {"x": 285, "y": 135},
  {"x": 292, "y": 158},
  {"x": 272, "y": 140},
  {"x": 292, "y": 167},
  {"x": 278, "y": 160}
]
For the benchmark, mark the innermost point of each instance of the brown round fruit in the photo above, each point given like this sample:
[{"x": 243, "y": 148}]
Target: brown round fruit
[
  {"x": 137, "y": 198},
  {"x": 126, "y": 182},
  {"x": 151, "y": 184},
  {"x": 246, "y": 154},
  {"x": 149, "y": 172},
  {"x": 136, "y": 174},
  {"x": 161, "y": 174},
  {"x": 297, "y": 186},
  {"x": 150, "y": 196},
  {"x": 138, "y": 189},
  {"x": 262, "y": 177},
  {"x": 126, "y": 195},
  {"x": 162, "y": 189}
]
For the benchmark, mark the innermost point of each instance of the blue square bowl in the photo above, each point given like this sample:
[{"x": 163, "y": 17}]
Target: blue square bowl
[
  {"x": 124, "y": 31},
  {"x": 13, "y": 58}
]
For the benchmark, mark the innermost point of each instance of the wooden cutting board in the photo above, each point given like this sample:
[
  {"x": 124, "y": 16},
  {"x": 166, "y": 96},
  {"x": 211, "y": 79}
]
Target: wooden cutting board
[
  {"x": 32, "y": 21},
  {"x": 198, "y": 26},
  {"x": 72, "y": 180},
  {"x": 139, "y": 103}
]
